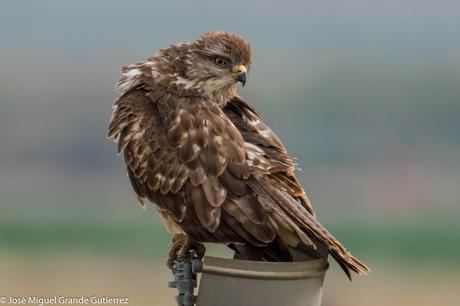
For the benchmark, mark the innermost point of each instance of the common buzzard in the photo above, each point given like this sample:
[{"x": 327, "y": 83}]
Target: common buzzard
[{"x": 215, "y": 171}]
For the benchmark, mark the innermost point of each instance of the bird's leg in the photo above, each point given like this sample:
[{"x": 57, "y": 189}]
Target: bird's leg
[{"x": 181, "y": 246}]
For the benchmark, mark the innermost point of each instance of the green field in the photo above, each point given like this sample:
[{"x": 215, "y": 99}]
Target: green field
[
  {"x": 420, "y": 240},
  {"x": 416, "y": 264}
]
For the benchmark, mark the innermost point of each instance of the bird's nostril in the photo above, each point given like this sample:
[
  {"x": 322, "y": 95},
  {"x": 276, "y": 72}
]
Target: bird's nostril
[{"x": 242, "y": 69}]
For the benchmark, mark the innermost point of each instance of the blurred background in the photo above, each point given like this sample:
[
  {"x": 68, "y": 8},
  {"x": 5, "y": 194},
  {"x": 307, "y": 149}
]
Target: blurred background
[{"x": 366, "y": 94}]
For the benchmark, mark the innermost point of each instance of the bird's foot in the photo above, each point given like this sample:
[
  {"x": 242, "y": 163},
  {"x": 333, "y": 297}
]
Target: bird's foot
[{"x": 182, "y": 246}]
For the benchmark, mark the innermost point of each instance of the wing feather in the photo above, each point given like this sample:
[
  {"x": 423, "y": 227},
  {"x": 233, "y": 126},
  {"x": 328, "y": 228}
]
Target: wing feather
[
  {"x": 272, "y": 158},
  {"x": 181, "y": 146},
  {"x": 279, "y": 191},
  {"x": 221, "y": 174},
  {"x": 260, "y": 230}
]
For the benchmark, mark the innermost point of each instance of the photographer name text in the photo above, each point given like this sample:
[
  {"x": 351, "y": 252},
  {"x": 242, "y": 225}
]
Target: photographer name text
[{"x": 63, "y": 300}]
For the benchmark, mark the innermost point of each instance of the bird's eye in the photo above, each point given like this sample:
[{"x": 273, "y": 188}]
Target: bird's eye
[{"x": 220, "y": 61}]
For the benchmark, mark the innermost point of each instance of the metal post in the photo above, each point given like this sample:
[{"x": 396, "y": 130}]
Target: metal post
[
  {"x": 230, "y": 282},
  {"x": 185, "y": 279}
]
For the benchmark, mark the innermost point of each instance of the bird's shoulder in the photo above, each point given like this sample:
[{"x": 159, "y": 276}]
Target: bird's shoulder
[
  {"x": 265, "y": 153},
  {"x": 256, "y": 133}
]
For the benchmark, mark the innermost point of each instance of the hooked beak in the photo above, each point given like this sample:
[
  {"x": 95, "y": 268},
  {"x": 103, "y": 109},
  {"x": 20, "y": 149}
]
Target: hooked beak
[{"x": 242, "y": 73}]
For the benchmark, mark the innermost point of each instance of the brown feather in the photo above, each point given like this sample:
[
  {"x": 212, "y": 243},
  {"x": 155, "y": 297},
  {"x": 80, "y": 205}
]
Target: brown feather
[
  {"x": 214, "y": 192},
  {"x": 251, "y": 208},
  {"x": 236, "y": 226},
  {"x": 208, "y": 216},
  {"x": 261, "y": 231},
  {"x": 204, "y": 156}
]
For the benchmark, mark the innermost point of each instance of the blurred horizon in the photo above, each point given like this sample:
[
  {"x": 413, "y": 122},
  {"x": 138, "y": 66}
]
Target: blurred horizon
[{"x": 365, "y": 94}]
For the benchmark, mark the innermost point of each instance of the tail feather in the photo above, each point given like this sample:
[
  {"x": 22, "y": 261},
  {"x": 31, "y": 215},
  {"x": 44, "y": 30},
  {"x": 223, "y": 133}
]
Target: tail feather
[
  {"x": 350, "y": 263},
  {"x": 294, "y": 212},
  {"x": 337, "y": 250}
]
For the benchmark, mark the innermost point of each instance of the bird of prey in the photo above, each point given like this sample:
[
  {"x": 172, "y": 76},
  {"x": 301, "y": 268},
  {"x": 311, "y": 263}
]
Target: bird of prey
[{"x": 215, "y": 171}]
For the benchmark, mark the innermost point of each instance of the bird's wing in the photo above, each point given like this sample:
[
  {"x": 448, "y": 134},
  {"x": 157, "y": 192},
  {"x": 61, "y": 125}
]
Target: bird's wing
[
  {"x": 224, "y": 169},
  {"x": 180, "y": 153},
  {"x": 265, "y": 151},
  {"x": 272, "y": 179}
]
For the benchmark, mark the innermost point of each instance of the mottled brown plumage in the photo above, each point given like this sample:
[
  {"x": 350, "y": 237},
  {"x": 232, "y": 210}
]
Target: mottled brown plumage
[{"x": 198, "y": 151}]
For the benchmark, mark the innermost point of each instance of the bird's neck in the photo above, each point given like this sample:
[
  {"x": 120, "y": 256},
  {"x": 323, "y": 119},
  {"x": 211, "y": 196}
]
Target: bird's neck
[
  {"x": 224, "y": 96},
  {"x": 152, "y": 73}
]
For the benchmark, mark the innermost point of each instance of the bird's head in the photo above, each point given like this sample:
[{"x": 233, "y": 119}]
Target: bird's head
[{"x": 218, "y": 61}]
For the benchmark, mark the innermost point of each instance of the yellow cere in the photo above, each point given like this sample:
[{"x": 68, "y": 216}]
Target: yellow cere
[{"x": 241, "y": 68}]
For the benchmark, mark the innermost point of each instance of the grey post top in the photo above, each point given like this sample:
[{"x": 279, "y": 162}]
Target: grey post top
[{"x": 230, "y": 282}]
